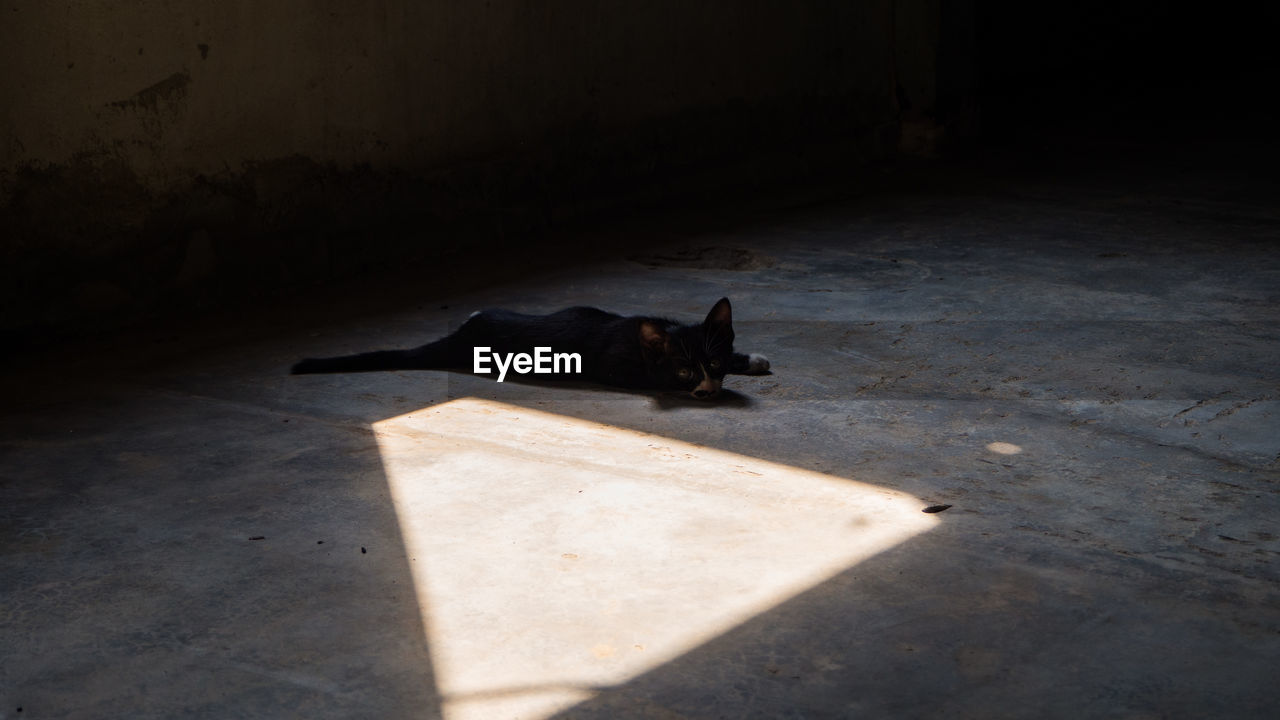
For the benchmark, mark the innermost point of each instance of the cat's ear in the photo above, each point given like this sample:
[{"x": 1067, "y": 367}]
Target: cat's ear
[
  {"x": 652, "y": 335},
  {"x": 720, "y": 317}
]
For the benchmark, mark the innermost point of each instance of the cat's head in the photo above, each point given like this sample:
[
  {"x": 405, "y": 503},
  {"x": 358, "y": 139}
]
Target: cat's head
[{"x": 692, "y": 358}]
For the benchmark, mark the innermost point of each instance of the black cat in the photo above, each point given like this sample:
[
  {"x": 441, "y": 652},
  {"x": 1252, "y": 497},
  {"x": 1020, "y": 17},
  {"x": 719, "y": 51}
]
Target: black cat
[{"x": 580, "y": 343}]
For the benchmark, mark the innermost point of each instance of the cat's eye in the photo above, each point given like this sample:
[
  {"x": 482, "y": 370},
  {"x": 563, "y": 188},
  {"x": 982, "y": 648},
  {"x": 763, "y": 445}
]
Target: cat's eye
[
  {"x": 715, "y": 364},
  {"x": 684, "y": 373}
]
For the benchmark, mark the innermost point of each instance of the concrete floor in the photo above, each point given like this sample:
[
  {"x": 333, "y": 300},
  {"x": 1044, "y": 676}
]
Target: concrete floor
[{"x": 1082, "y": 363}]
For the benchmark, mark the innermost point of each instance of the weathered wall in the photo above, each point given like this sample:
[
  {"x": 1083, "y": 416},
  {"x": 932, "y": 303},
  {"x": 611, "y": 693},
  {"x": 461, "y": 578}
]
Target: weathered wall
[{"x": 164, "y": 151}]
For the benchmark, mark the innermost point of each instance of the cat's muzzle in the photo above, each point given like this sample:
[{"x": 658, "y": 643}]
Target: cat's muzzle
[{"x": 706, "y": 389}]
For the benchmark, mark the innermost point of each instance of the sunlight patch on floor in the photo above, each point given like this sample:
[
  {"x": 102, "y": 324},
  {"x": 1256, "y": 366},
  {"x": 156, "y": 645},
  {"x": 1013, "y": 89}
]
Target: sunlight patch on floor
[{"x": 554, "y": 556}]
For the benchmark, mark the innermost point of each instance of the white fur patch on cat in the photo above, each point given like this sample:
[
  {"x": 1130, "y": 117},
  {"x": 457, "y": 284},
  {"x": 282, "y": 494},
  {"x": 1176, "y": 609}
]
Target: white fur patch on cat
[{"x": 757, "y": 363}]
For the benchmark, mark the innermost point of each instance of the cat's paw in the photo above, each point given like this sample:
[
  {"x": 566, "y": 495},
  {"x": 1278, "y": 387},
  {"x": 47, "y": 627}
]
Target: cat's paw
[{"x": 757, "y": 364}]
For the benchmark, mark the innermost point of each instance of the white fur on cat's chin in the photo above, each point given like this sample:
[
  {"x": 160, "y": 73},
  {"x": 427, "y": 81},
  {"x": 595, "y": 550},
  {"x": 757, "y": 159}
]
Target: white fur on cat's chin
[{"x": 757, "y": 363}]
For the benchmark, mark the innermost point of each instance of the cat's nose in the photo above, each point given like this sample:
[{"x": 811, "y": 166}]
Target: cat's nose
[{"x": 706, "y": 389}]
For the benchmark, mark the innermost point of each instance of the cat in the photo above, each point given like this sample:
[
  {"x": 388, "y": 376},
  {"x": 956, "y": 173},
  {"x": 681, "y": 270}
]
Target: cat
[{"x": 642, "y": 353}]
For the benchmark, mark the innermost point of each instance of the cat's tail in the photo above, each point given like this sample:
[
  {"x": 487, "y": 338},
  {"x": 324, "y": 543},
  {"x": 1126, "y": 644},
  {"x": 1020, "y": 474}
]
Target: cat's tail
[{"x": 434, "y": 355}]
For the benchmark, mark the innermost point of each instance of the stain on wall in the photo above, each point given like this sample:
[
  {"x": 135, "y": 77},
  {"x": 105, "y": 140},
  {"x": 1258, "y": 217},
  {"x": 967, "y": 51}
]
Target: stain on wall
[{"x": 172, "y": 90}]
